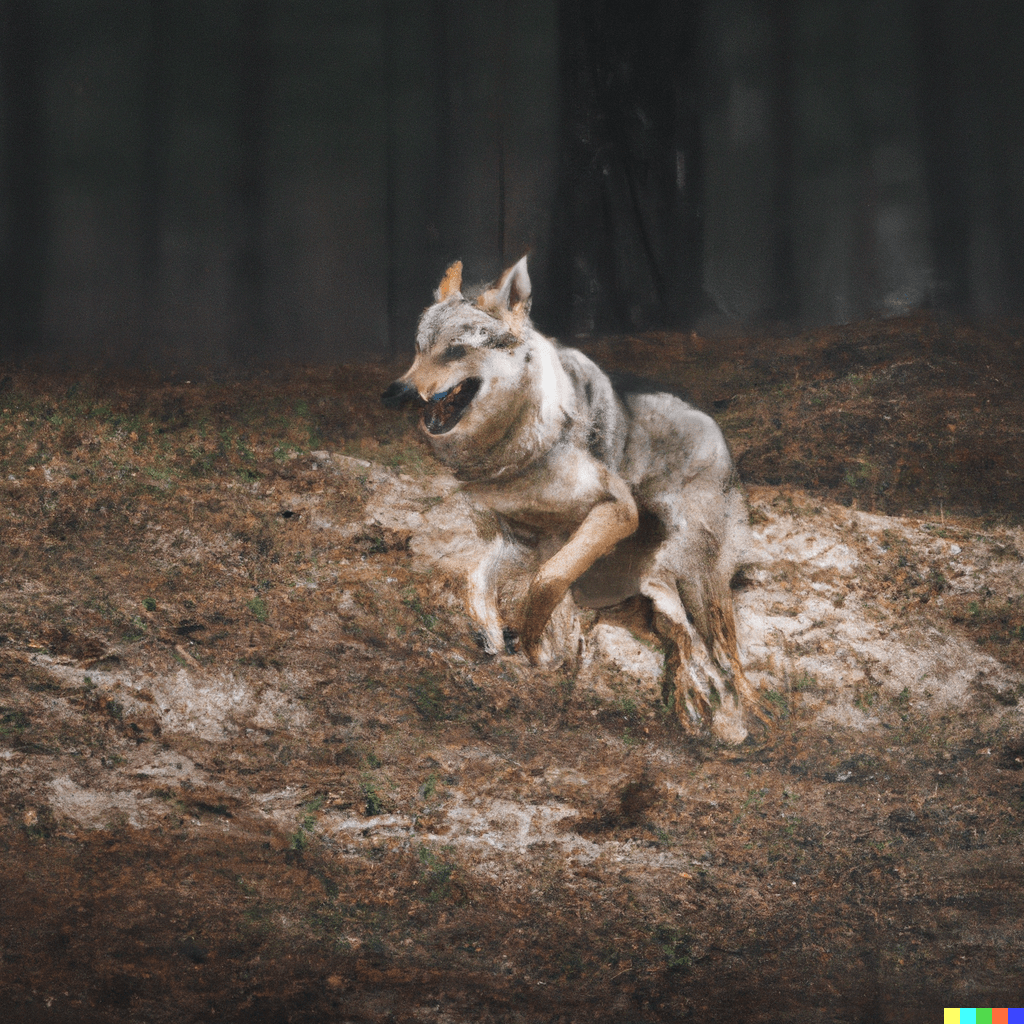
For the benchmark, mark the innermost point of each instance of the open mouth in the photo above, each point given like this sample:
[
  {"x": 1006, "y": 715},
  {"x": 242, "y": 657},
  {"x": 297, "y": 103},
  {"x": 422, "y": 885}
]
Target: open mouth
[{"x": 445, "y": 409}]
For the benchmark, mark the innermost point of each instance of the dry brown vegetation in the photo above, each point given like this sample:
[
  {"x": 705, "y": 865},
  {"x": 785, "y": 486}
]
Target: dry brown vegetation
[{"x": 254, "y": 767}]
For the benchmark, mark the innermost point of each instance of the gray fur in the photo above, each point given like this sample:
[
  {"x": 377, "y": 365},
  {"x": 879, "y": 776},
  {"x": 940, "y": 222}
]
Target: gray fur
[{"x": 579, "y": 488}]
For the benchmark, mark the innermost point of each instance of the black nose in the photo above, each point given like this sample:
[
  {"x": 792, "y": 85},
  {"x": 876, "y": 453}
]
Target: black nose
[{"x": 400, "y": 393}]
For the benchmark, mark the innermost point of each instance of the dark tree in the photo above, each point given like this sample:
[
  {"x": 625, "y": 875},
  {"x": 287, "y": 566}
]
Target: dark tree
[
  {"x": 25, "y": 249},
  {"x": 786, "y": 302},
  {"x": 418, "y": 155},
  {"x": 629, "y": 223},
  {"x": 155, "y": 135},
  {"x": 254, "y": 70}
]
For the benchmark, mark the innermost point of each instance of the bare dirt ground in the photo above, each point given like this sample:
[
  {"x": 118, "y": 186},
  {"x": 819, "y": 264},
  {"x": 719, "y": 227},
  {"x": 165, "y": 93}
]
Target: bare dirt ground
[{"x": 254, "y": 768}]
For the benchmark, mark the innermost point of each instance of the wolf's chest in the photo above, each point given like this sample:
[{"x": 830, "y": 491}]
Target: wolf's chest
[{"x": 553, "y": 496}]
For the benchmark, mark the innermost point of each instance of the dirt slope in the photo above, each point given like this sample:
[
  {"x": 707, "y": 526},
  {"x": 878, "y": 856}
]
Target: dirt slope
[{"x": 253, "y": 766}]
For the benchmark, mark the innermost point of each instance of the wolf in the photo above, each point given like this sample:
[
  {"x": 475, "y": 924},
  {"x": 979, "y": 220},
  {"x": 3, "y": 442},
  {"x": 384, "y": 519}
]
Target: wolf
[{"x": 581, "y": 490}]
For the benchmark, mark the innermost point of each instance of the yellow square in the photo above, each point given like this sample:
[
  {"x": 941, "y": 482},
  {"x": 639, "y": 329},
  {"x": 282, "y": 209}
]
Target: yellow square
[{"x": 951, "y": 1015}]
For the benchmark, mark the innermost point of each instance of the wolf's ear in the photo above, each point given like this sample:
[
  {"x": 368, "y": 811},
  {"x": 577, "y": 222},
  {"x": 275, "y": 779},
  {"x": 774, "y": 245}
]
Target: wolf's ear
[
  {"x": 451, "y": 283},
  {"x": 511, "y": 293}
]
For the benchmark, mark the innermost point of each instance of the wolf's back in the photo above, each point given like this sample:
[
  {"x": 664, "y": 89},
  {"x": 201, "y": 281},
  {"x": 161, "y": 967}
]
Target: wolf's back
[{"x": 605, "y": 416}]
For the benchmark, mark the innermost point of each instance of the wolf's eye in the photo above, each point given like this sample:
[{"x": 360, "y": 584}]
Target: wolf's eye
[
  {"x": 452, "y": 353},
  {"x": 507, "y": 341}
]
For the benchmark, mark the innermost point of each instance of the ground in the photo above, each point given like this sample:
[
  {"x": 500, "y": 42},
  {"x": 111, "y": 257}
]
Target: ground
[{"x": 254, "y": 767}]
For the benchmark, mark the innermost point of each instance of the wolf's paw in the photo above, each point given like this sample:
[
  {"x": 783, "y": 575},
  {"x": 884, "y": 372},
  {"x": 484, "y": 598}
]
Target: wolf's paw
[
  {"x": 728, "y": 725},
  {"x": 693, "y": 708},
  {"x": 705, "y": 703},
  {"x": 509, "y": 642},
  {"x": 723, "y": 720},
  {"x": 485, "y": 642},
  {"x": 538, "y": 654},
  {"x": 693, "y": 711},
  {"x": 544, "y": 652},
  {"x": 482, "y": 641}
]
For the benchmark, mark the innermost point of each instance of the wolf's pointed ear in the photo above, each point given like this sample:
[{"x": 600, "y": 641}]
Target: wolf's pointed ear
[
  {"x": 451, "y": 283},
  {"x": 512, "y": 292}
]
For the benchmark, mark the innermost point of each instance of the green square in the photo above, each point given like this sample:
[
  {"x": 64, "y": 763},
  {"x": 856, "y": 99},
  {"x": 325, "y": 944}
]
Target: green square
[{"x": 983, "y": 1016}]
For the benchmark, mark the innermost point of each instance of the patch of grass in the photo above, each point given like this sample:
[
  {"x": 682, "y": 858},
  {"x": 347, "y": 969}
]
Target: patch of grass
[
  {"x": 201, "y": 463},
  {"x": 753, "y": 800},
  {"x": 674, "y": 945},
  {"x": 996, "y": 626},
  {"x": 181, "y": 660},
  {"x": 13, "y": 722},
  {"x": 400, "y": 455},
  {"x": 136, "y": 630},
  {"x": 566, "y": 686},
  {"x": 628, "y": 708},
  {"x": 804, "y": 682},
  {"x": 864, "y": 699},
  {"x": 861, "y": 476},
  {"x": 285, "y": 452},
  {"x": 298, "y": 841},
  {"x": 373, "y": 802},
  {"x": 257, "y": 607},
  {"x": 663, "y": 838},
  {"x": 429, "y": 788},
  {"x": 411, "y": 599},
  {"x": 436, "y": 874},
  {"x": 431, "y": 700}
]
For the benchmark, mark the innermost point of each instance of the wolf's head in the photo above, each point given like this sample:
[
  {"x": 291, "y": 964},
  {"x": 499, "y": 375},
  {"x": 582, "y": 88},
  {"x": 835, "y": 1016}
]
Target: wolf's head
[{"x": 478, "y": 373}]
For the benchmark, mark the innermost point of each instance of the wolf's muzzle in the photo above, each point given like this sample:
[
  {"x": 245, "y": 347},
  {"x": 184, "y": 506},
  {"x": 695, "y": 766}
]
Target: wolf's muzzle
[{"x": 400, "y": 393}]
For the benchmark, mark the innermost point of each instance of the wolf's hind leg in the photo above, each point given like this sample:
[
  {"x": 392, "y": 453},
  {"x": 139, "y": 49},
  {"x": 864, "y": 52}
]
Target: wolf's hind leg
[
  {"x": 694, "y": 568},
  {"x": 722, "y": 640},
  {"x": 703, "y": 698}
]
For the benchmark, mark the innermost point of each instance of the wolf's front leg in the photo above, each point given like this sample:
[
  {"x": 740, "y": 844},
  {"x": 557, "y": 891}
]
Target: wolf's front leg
[
  {"x": 482, "y": 595},
  {"x": 604, "y": 526}
]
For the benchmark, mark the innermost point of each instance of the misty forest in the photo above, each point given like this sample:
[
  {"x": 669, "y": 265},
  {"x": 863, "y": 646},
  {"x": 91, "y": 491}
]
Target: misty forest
[
  {"x": 258, "y": 178},
  {"x": 254, "y": 763}
]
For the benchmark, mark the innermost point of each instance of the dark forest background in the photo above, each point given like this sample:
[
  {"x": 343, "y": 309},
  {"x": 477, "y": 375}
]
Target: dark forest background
[{"x": 236, "y": 180}]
